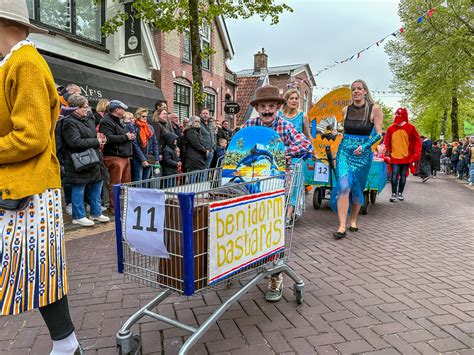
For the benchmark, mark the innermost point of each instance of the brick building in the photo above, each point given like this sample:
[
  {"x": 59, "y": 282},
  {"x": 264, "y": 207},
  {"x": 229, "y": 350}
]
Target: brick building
[
  {"x": 285, "y": 77},
  {"x": 175, "y": 75}
]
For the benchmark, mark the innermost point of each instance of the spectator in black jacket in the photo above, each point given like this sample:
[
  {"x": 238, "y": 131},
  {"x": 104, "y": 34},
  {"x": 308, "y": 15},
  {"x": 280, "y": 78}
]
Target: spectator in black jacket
[
  {"x": 196, "y": 153},
  {"x": 78, "y": 135},
  {"x": 175, "y": 125},
  {"x": 171, "y": 163},
  {"x": 161, "y": 125},
  {"x": 224, "y": 132},
  {"x": 208, "y": 134},
  {"x": 118, "y": 149}
]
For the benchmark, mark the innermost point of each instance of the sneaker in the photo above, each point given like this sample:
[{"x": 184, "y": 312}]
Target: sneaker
[
  {"x": 86, "y": 222},
  {"x": 69, "y": 209},
  {"x": 393, "y": 198},
  {"x": 275, "y": 288},
  {"x": 400, "y": 196},
  {"x": 101, "y": 218}
]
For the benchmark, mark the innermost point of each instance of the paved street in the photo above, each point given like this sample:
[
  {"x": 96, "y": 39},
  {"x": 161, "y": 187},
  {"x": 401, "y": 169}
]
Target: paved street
[{"x": 402, "y": 285}]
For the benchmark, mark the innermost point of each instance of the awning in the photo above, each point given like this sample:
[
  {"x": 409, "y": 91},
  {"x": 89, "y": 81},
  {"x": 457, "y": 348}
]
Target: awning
[{"x": 99, "y": 84}]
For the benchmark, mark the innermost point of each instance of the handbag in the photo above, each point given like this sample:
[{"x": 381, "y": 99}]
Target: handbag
[{"x": 85, "y": 160}]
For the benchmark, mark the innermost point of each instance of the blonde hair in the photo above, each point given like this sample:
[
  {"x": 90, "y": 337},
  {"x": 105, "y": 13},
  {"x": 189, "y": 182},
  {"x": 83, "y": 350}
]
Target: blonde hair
[
  {"x": 128, "y": 116},
  {"x": 157, "y": 113},
  {"x": 102, "y": 105},
  {"x": 287, "y": 96},
  {"x": 368, "y": 97},
  {"x": 139, "y": 112}
]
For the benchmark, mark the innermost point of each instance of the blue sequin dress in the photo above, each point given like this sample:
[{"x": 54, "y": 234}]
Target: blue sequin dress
[{"x": 352, "y": 170}]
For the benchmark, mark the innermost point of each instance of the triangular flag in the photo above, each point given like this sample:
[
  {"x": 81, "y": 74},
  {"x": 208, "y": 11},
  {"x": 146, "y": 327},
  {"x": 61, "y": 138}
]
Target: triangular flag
[
  {"x": 444, "y": 4},
  {"x": 401, "y": 30},
  {"x": 430, "y": 12},
  {"x": 378, "y": 44},
  {"x": 358, "y": 55},
  {"x": 420, "y": 19},
  {"x": 394, "y": 34}
]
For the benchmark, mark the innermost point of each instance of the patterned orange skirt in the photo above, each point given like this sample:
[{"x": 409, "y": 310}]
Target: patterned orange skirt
[{"x": 33, "y": 267}]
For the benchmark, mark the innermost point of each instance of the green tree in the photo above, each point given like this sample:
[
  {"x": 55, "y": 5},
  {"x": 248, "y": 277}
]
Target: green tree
[
  {"x": 189, "y": 16},
  {"x": 432, "y": 62}
]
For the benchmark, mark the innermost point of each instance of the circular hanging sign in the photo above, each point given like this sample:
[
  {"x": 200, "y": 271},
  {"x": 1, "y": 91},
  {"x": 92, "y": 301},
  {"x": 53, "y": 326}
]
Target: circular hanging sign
[{"x": 232, "y": 108}]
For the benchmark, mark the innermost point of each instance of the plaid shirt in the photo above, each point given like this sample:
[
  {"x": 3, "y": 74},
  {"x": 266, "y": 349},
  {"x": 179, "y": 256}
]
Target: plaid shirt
[{"x": 296, "y": 144}]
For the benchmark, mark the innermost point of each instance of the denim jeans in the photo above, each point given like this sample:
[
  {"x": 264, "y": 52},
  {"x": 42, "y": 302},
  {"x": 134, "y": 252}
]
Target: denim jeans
[
  {"x": 398, "y": 183},
  {"x": 139, "y": 172},
  {"x": 209, "y": 158},
  {"x": 471, "y": 173},
  {"x": 77, "y": 195}
]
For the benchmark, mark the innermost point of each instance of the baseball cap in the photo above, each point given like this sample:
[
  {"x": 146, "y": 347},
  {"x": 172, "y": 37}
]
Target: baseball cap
[{"x": 117, "y": 104}]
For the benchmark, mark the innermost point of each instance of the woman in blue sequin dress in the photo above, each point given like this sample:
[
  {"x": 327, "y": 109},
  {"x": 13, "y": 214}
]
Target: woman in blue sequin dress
[
  {"x": 291, "y": 113},
  {"x": 354, "y": 156}
]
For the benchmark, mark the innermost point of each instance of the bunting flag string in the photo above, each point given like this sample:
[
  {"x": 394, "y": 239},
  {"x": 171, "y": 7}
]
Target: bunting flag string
[
  {"x": 380, "y": 92},
  {"x": 428, "y": 14}
]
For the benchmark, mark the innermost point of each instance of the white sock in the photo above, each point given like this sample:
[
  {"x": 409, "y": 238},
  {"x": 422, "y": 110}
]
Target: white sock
[{"x": 66, "y": 346}]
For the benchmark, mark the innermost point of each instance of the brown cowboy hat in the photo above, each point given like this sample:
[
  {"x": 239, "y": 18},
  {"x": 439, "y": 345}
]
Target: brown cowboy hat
[{"x": 267, "y": 93}]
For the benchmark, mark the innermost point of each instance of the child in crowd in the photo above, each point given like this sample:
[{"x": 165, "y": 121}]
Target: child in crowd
[
  {"x": 178, "y": 152},
  {"x": 220, "y": 151},
  {"x": 128, "y": 121},
  {"x": 170, "y": 163}
]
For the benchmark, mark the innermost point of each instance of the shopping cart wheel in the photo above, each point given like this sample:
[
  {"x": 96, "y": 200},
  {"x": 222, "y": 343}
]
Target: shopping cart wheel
[
  {"x": 373, "y": 196},
  {"x": 298, "y": 291},
  {"x": 365, "y": 207},
  {"x": 317, "y": 198},
  {"x": 130, "y": 344}
]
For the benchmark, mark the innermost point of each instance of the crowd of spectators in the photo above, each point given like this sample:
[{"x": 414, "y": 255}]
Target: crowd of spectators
[{"x": 130, "y": 146}]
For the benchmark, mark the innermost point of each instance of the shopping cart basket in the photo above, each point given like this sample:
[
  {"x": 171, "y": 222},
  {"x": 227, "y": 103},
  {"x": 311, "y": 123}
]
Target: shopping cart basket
[{"x": 189, "y": 201}]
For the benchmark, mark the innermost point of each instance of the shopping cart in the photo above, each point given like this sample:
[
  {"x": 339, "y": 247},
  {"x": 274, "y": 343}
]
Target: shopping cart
[{"x": 189, "y": 201}]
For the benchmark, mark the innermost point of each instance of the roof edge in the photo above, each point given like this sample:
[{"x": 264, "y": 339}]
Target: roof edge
[{"x": 222, "y": 28}]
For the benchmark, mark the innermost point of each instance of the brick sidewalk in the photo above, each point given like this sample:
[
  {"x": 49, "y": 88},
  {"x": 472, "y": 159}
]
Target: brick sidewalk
[{"x": 402, "y": 285}]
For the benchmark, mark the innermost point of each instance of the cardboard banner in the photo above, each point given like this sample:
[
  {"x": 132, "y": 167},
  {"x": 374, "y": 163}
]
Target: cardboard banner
[
  {"x": 244, "y": 230},
  {"x": 254, "y": 153},
  {"x": 328, "y": 112}
]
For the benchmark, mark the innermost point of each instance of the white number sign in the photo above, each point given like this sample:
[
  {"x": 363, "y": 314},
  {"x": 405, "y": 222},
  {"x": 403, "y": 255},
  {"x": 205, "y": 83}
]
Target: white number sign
[
  {"x": 321, "y": 172},
  {"x": 144, "y": 221}
]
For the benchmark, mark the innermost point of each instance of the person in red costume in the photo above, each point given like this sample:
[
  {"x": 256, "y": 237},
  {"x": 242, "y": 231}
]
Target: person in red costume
[{"x": 403, "y": 145}]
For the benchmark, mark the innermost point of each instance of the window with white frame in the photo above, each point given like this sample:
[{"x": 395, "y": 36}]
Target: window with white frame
[
  {"x": 182, "y": 101},
  {"x": 81, "y": 18},
  {"x": 205, "y": 33}
]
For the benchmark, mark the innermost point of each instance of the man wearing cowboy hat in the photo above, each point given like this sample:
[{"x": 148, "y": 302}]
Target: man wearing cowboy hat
[
  {"x": 31, "y": 225},
  {"x": 267, "y": 103}
]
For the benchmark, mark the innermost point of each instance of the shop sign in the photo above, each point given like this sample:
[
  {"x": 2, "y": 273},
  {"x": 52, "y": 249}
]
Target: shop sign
[{"x": 133, "y": 35}]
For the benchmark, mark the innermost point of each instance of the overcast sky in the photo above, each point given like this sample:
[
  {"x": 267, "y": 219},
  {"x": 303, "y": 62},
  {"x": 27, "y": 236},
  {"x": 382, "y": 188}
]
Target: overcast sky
[{"x": 319, "y": 32}]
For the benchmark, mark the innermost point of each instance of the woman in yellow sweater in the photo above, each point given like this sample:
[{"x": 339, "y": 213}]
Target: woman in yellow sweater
[{"x": 33, "y": 269}]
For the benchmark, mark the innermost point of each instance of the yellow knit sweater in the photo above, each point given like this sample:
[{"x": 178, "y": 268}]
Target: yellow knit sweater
[{"x": 29, "y": 107}]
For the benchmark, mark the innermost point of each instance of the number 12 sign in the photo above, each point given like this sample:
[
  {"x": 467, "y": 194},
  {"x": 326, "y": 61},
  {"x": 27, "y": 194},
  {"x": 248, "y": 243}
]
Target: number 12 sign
[
  {"x": 321, "y": 172},
  {"x": 144, "y": 221}
]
